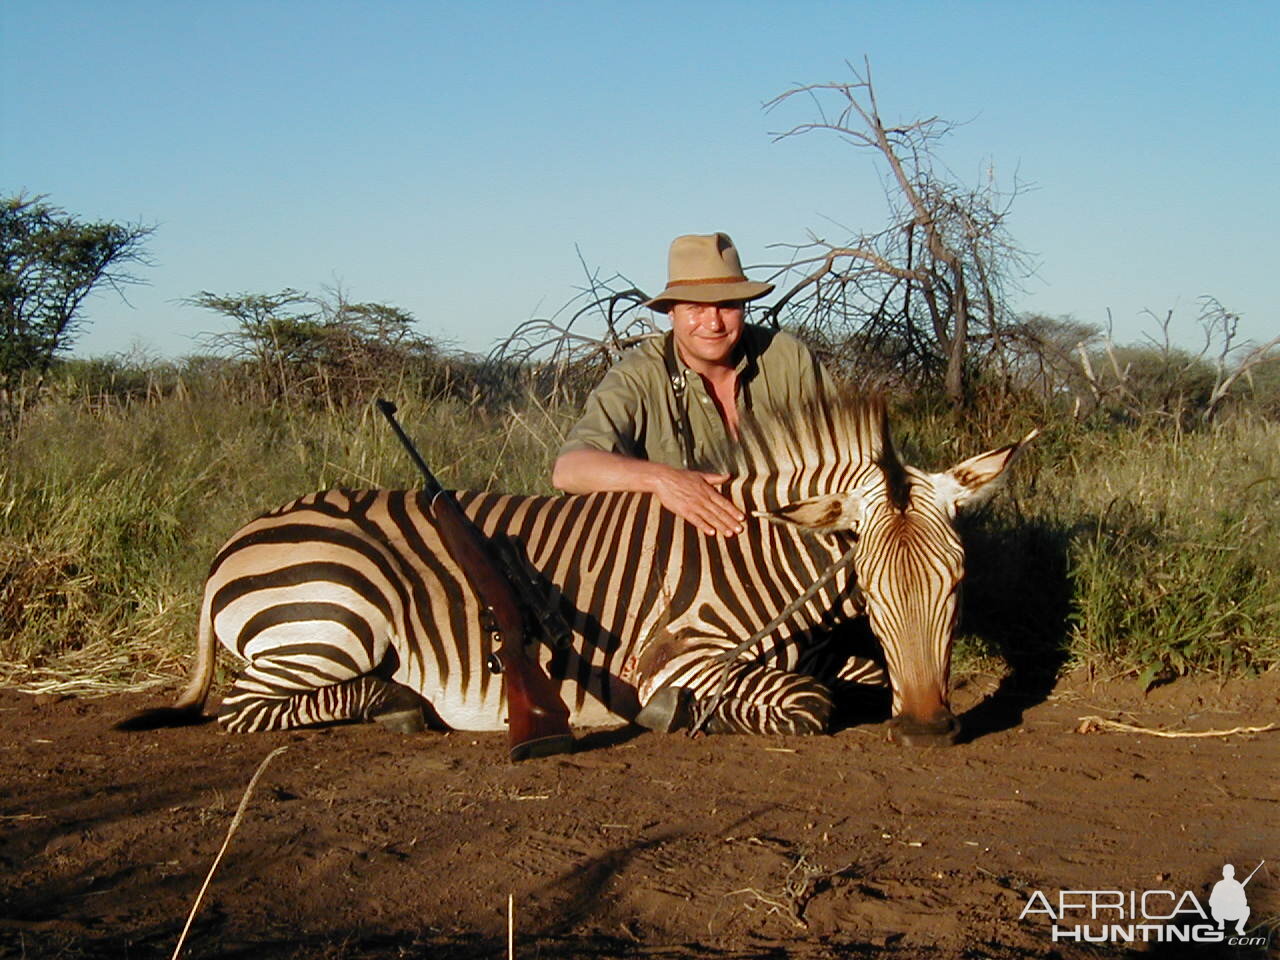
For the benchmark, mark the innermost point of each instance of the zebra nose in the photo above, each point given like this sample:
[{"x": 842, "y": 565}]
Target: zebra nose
[{"x": 940, "y": 730}]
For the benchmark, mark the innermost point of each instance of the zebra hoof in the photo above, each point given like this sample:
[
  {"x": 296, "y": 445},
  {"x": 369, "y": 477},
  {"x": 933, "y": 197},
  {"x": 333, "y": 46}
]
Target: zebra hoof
[
  {"x": 408, "y": 720},
  {"x": 668, "y": 710}
]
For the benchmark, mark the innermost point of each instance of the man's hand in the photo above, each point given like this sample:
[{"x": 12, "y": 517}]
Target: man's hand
[
  {"x": 688, "y": 494},
  {"x": 693, "y": 496}
]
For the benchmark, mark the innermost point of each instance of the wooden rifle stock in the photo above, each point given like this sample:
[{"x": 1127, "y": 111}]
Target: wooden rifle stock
[{"x": 537, "y": 717}]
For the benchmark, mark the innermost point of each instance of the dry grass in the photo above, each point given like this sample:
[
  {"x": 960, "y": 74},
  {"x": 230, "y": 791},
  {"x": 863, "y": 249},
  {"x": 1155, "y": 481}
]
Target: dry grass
[
  {"x": 1154, "y": 552},
  {"x": 110, "y": 513}
]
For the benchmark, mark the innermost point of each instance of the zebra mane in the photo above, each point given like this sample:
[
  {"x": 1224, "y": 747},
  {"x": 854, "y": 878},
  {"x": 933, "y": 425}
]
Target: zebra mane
[{"x": 818, "y": 448}]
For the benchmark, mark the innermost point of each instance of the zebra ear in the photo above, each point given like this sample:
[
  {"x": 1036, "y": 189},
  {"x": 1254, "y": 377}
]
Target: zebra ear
[
  {"x": 974, "y": 481},
  {"x": 825, "y": 514}
]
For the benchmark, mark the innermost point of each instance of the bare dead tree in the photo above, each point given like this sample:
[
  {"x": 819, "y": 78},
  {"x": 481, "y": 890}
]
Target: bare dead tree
[
  {"x": 1040, "y": 354},
  {"x": 928, "y": 290},
  {"x": 1159, "y": 380},
  {"x": 1108, "y": 386},
  {"x": 571, "y": 348},
  {"x": 1232, "y": 361},
  {"x": 565, "y": 339}
]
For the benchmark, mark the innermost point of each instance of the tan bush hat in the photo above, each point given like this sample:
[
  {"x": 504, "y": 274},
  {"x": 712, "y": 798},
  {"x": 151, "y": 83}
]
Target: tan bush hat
[{"x": 704, "y": 268}]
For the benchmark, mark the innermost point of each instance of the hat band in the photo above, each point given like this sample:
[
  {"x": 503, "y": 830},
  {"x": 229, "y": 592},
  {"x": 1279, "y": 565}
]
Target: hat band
[{"x": 693, "y": 283}]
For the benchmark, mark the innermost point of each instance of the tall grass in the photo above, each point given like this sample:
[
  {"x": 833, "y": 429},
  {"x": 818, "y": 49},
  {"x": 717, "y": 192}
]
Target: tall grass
[
  {"x": 1143, "y": 550},
  {"x": 1140, "y": 551},
  {"x": 110, "y": 513},
  {"x": 1175, "y": 547}
]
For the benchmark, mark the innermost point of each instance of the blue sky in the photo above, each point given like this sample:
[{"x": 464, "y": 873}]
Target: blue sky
[{"x": 453, "y": 158}]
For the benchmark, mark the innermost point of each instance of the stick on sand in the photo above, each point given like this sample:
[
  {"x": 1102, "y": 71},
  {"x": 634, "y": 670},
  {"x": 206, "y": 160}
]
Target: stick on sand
[{"x": 235, "y": 822}]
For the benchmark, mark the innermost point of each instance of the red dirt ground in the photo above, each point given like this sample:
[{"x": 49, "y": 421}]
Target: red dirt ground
[{"x": 358, "y": 843}]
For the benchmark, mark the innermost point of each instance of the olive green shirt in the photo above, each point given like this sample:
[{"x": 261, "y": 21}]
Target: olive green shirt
[{"x": 635, "y": 410}]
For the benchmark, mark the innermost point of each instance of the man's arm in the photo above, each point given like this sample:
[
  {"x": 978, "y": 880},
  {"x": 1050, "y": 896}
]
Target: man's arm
[{"x": 686, "y": 493}]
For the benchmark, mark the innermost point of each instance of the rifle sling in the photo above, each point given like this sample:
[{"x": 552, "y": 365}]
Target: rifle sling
[{"x": 680, "y": 388}]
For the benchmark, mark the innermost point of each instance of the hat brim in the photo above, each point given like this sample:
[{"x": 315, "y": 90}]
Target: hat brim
[{"x": 744, "y": 290}]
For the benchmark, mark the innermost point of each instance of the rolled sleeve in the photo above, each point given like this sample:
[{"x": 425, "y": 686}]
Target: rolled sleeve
[{"x": 611, "y": 419}]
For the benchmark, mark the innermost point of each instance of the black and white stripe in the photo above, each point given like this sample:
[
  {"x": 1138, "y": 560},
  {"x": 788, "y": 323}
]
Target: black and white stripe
[{"x": 342, "y": 601}]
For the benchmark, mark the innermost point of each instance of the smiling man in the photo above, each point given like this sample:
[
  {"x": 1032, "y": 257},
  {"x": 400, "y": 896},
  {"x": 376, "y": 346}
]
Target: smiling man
[{"x": 659, "y": 415}]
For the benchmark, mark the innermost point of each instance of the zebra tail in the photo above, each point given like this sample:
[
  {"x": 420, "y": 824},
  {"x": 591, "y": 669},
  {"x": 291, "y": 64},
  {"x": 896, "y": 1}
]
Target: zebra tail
[{"x": 188, "y": 709}]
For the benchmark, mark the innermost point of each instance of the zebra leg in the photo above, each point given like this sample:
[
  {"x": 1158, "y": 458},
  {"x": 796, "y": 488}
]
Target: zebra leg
[
  {"x": 248, "y": 707},
  {"x": 757, "y": 699},
  {"x": 760, "y": 699},
  {"x": 862, "y": 672},
  {"x": 859, "y": 685}
]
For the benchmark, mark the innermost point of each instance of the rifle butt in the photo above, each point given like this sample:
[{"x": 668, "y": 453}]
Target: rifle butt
[
  {"x": 537, "y": 718},
  {"x": 540, "y": 746}
]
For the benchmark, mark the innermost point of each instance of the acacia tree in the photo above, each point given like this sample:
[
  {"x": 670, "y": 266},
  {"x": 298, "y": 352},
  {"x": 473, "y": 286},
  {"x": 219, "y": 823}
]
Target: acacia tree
[
  {"x": 306, "y": 347},
  {"x": 926, "y": 292},
  {"x": 50, "y": 261}
]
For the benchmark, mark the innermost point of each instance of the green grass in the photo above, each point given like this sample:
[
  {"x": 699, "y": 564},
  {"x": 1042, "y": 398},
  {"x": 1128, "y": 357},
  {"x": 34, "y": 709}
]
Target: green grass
[
  {"x": 1146, "y": 551},
  {"x": 1139, "y": 551},
  {"x": 1175, "y": 554}
]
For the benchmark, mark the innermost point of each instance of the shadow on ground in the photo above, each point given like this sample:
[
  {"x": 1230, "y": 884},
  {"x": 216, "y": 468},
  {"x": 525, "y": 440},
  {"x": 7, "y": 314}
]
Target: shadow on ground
[
  {"x": 396, "y": 946},
  {"x": 1018, "y": 605}
]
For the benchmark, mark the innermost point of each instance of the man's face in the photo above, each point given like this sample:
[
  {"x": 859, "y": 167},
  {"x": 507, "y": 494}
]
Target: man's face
[{"x": 707, "y": 332}]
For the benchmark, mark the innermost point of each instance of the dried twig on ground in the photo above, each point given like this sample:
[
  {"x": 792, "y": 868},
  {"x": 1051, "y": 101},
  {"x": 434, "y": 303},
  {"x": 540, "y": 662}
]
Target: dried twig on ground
[
  {"x": 802, "y": 881},
  {"x": 1094, "y": 724},
  {"x": 235, "y": 823}
]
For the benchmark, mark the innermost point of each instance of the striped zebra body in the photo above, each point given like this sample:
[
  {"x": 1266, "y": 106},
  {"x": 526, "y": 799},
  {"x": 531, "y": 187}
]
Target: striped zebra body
[
  {"x": 346, "y": 604},
  {"x": 323, "y": 590}
]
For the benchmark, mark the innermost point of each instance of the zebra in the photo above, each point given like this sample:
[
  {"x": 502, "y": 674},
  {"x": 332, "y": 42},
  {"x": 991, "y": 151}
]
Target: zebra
[{"x": 344, "y": 604}]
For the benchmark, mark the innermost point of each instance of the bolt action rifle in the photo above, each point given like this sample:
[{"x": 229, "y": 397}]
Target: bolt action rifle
[{"x": 509, "y": 600}]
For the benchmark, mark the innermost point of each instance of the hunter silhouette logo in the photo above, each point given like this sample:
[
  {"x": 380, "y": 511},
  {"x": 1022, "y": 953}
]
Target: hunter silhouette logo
[
  {"x": 1228, "y": 900},
  {"x": 1148, "y": 916}
]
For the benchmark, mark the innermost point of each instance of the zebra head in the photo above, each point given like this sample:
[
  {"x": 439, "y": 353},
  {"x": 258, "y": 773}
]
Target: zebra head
[{"x": 909, "y": 560}]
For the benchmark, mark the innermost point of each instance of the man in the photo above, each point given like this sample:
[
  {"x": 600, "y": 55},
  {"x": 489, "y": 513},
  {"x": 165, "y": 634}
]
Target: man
[{"x": 659, "y": 415}]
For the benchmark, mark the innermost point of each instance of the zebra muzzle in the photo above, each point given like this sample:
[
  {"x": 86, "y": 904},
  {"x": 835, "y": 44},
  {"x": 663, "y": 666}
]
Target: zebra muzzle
[{"x": 941, "y": 730}]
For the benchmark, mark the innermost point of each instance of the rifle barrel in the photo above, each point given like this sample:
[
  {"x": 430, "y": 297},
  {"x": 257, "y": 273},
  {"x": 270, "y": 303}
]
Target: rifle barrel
[{"x": 388, "y": 409}]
